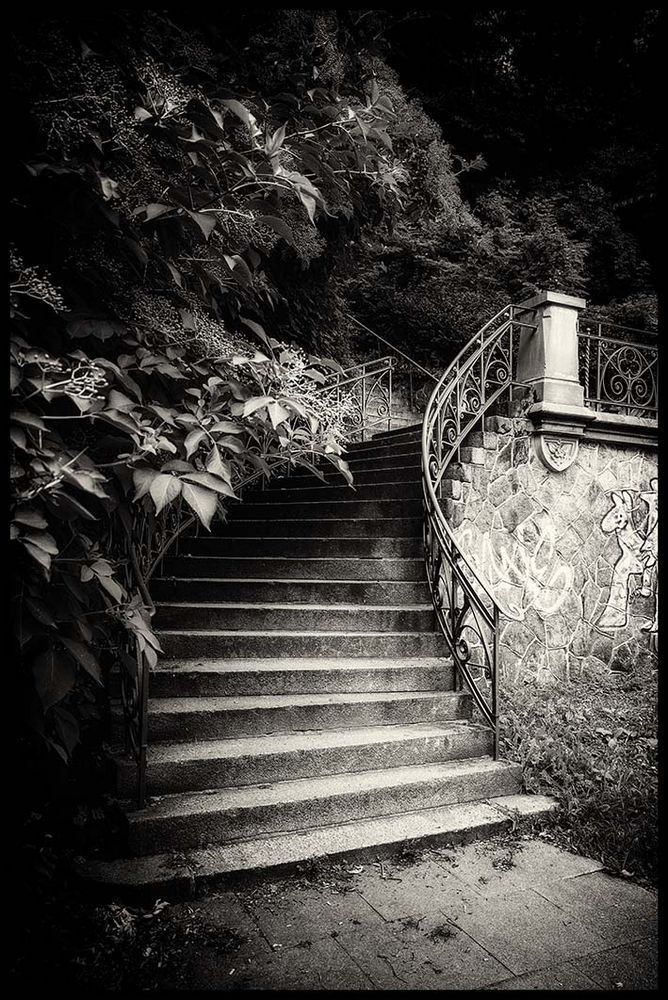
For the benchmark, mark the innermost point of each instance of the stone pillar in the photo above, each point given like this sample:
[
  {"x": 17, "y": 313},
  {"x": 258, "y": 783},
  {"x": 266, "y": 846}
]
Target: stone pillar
[{"x": 548, "y": 364}]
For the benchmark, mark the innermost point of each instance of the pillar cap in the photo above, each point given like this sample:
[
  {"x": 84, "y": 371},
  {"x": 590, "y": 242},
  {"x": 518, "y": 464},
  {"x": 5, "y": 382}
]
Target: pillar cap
[{"x": 554, "y": 298}]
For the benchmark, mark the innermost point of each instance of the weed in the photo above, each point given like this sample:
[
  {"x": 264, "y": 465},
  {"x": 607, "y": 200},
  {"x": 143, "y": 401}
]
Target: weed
[{"x": 593, "y": 747}]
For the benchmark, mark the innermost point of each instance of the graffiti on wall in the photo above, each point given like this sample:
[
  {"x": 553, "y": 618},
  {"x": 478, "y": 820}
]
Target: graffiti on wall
[
  {"x": 637, "y": 559},
  {"x": 523, "y": 569}
]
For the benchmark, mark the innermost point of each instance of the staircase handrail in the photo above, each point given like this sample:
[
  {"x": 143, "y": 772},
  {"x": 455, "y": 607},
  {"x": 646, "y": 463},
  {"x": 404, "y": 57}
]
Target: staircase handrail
[{"x": 466, "y": 608}]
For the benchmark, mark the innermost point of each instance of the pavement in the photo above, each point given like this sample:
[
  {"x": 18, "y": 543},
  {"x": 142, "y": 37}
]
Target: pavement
[{"x": 512, "y": 912}]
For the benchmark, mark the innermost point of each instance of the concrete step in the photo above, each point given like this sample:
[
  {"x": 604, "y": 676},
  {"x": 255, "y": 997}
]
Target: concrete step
[
  {"x": 183, "y": 767},
  {"x": 390, "y": 454},
  {"x": 228, "y": 678},
  {"x": 297, "y": 509},
  {"x": 398, "y": 459},
  {"x": 387, "y": 439},
  {"x": 305, "y": 528},
  {"x": 306, "y": 568},
  {"x": 194, "y": 819},
  {"x": 286, "y": 491},
  {"x": 187, "y": 719},
  {"x": 250, "y": 644},
  {"x": 412, "y": 430},
  {"x": 185, "y": 590},
  {"x": 364, "y": 840},
  {"x": 320, "y": 617},
  {"x": 362, "y": 476}
]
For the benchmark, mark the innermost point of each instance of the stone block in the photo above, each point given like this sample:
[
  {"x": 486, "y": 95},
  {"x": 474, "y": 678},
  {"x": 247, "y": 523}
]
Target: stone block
[
  {"x": 499, "y": 490},
  {"x": 515, "y": 510}
]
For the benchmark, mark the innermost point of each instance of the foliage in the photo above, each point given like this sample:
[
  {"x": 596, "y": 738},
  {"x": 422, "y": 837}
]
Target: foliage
[
  {"x": 594, "y": 748},
  {"x": 159, "y": 211}
]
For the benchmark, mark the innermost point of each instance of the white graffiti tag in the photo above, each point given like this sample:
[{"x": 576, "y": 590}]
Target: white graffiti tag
[{"x": 523, "y": 569}]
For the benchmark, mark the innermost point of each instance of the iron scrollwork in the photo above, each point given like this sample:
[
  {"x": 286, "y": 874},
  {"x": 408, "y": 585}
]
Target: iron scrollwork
[
  {"x": 465, "y": 608},
  {"x": 619, "y": 375}
]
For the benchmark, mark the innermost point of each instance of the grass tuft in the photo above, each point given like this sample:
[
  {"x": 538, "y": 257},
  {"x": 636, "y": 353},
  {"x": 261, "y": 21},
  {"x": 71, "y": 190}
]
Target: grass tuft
[{"x": 592, "y": 745}]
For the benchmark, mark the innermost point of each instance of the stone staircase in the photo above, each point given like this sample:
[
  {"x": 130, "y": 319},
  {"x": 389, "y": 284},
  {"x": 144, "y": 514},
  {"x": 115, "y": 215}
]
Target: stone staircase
[{"x": 306, "y": 705}]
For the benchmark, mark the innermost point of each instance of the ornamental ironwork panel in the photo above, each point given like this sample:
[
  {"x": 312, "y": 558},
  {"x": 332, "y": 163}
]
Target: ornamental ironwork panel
[{"x": 618, "y": 369}]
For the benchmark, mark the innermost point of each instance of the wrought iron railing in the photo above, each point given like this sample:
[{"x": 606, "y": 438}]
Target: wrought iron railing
[
  {"x": 466, "y": 609},
  {"x": 413, "y": 383},
  {"x": 618, "y": 368},
  {"x": 363, "y": 396}
]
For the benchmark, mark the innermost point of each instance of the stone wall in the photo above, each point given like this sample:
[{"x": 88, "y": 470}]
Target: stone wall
[{"x": 570, "y": 556}]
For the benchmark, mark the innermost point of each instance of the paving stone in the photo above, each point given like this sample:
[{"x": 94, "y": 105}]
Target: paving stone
[
  {"x": 463, "y": 964},
  {"x": 308, "y": 914},
  {"x": 626, "y": 967},
  {"x": 415, "y": 891},
  {"x": 322, "y": 965},
  {"x": 491, "y": 867},
  {"x": 558, "y": 977},
  {"x": 613, "y": 908},
  {"x": 391, "y": 964},
  {"x": 525, "y": 931}
]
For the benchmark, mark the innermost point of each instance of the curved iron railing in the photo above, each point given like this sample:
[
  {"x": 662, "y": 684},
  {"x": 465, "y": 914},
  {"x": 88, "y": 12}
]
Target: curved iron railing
[{"x": 466, "y": 609}]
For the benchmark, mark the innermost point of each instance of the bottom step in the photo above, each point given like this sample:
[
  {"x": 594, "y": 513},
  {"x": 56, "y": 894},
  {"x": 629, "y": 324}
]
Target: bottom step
[{"x": 181, "y": 876}]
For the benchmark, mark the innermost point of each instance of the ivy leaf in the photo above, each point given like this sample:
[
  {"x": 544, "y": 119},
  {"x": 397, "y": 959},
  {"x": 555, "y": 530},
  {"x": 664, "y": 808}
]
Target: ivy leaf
[
  {"x": 227, "y": 427},
  {"x": 98, "y": 327},
  {"x": 279, "y": 226},
  {"x": 142, "y": 479},
  {"x": 43, "y": 540},
  {"x": 54, "y": 677},
  {"x": 31, "y": 518},
  {"x": 206, "y": 223},
  {"x": 274, "y": 143},
  {"x": 309, "y": 203},
  {"x": 202, "y": 501},
  {"x": 256, "y": 328},
  {"x": 254, "y": 403},
  {"x": 164, "y": 489},
  {"x": 240, "y": 269},
  {"x": 67, "y": 728},
  {"x": 193, "y": 441},
  {"x": 153, "y": 211},
  {"x": 112, "y": 588},
  {"x": 210, "y": 481},
  {"x": 28, "y": 419},
  {"x": 40, "y": 611},
  {"x": 84, "y": 657},
  {"x": 216, "y": 466},
  {"x": 277, "y": 414}
]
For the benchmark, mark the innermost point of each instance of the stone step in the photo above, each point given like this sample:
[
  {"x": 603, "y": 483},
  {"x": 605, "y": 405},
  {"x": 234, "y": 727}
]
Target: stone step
[
  {"x": 249, "y": 644},
  {"x": 413, "y": 430},
  {"x": 305, "y": 568},
  {"x": 387, "y": 439},
  {"x": 362, "y": 476},
  {"x": 272, "y": 617},
  {"x": 188, "y": 719},
  {"x": 195, "y": 819},
  {"x": 309, "y": 527},
  {"x": 323, "y": 509},
  {"x": 398, "y": 459},
  {"x": 228, "y": 678},
  {"x": 184, "y": 590},
  {"x": 285, "y": 491},
  {"x": 183, "y": 767},
  {"x": 390, "y": 454},
  {"x": 364, "y": 840}
]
